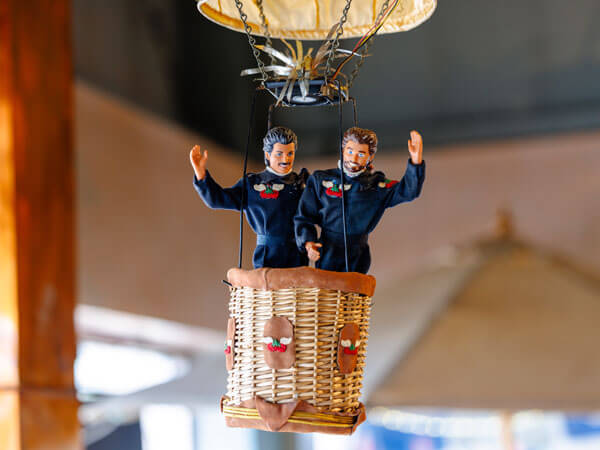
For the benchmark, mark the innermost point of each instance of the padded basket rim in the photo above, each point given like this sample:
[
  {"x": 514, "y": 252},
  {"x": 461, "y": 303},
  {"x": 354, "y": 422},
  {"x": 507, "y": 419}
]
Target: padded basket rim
[{"x": 269, "y": 279}]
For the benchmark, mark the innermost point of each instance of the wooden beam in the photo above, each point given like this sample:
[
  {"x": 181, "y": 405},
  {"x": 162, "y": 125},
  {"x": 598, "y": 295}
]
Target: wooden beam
[
  {"x": 37, "y": 235},
  {"x": 9, "y": 400}
]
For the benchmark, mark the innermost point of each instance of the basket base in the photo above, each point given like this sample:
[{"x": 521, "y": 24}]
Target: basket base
[{"x": 302, "y": 417}]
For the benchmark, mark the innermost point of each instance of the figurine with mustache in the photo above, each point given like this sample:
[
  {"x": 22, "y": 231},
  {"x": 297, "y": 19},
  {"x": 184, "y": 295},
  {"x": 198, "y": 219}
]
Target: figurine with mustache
[{"x": 272, "y": 198}]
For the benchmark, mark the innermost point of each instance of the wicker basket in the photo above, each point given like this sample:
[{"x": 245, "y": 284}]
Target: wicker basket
[{"x": 312, "y": 394}]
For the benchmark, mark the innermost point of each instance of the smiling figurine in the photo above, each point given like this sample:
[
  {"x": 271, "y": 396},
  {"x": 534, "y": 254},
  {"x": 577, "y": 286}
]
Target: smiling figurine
[
  {"x": 272, "y": 198},
  {"x": 367, "y": 195}
]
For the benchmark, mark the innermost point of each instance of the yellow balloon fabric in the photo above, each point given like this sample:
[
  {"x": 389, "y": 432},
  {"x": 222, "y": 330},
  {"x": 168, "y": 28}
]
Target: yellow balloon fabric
[{"x": 312, "y": 19}]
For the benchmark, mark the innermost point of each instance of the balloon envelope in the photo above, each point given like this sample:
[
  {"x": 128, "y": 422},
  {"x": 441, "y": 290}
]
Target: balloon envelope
[{"x": 312, "y": 19}]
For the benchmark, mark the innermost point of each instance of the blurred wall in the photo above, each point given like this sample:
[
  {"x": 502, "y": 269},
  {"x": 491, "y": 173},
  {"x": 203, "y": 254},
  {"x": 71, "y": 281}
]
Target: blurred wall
[
  {"x": 148, "y": 245},
  {"x": 124, "y": 437}
]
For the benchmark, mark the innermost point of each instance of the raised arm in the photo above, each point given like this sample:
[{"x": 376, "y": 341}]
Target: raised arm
[
  {"x": 198, "y": 161},
  {"x": 415, "y": 147},
  {"x": 306, "y": 218},
  {"x": 411, "y": 184},
  {"x": 213, "y": 195}
]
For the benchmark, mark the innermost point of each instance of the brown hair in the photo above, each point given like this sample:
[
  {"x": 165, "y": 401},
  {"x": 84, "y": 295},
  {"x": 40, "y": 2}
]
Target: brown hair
[{"x": 361, "y": 136}]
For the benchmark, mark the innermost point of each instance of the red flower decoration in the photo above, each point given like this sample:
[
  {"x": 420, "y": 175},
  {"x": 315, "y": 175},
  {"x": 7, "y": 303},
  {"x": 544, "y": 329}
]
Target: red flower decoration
[
  {"x": 347, "y": 351},
  {"x": 277, "y": 348},
  {"x": 390, "y": 183},
  {"x": 228, "y": 350},
  {"x": 333, "y": 193},
  {"x": 269, "y": 194}
]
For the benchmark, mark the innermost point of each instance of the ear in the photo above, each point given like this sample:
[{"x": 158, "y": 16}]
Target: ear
[{"x": 267, "y": 156}]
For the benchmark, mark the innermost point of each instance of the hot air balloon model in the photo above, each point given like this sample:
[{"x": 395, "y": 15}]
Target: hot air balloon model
[
  {"x": 296, "y": 75},
  {"x": 297, "y": 337}
]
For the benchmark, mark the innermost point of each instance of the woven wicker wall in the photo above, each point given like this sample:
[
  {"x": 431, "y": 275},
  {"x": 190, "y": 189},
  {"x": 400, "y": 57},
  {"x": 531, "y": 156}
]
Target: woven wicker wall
[{"x": 317, "y": 316}]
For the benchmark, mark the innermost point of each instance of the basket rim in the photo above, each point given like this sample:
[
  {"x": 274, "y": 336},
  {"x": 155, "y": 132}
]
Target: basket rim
[{"x": 269, "y": 279}]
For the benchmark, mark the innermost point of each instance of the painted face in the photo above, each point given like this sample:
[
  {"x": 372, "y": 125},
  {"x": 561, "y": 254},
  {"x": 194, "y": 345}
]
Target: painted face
[
  {"x": 356, "y": 156},
  {"x": 281, "y": 158}
]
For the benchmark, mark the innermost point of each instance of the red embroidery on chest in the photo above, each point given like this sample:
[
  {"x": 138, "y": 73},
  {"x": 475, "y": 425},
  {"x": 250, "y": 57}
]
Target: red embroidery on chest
[
  {"x": 267, "y": 194},
  {"x": 268, "y": 190},
  {"x": 387, "y": 183},
  {"x": 333, "y": 188},
  {"x": 332, "y": 193}
]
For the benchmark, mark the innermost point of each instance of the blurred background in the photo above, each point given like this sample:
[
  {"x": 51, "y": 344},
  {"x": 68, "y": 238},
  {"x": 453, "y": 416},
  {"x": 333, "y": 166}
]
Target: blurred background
[{"x": 484, "y": 331}]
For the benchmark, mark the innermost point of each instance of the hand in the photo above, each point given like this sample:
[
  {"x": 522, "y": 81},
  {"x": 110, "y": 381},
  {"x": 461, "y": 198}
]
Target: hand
[
  {"x": 198, "y": 161},
  {"x": 415, "y": 147},
  {"x": 312, "y": 248}
]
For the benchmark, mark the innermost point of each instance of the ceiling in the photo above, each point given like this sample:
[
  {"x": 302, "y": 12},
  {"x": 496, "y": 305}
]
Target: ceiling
[{"x": 474, "y": 70}]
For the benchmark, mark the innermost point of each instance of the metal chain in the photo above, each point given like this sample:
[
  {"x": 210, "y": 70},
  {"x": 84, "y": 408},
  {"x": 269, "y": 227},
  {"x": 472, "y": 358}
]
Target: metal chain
[
  {"x": 359, "y": 63},
  {"x": 366, "y": 47},
  {"x": 336, "y": 41},
  {"x": 252, "y": 41},
  {"x": 265, "y": 26}
]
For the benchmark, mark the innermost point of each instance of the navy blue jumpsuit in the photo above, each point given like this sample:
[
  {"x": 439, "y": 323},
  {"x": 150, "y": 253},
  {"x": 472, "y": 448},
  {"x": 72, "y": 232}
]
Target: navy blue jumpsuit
[
  {"x": 272, "y": 201},
  {"x": 367, "y": 197}
]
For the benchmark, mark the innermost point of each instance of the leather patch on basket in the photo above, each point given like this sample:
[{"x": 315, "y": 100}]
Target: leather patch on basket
[
  {"x": 271, "y": 416},
  {"x": 230, "y": 343},
  {"x": 360, "y": 417},
  {"x": 279, "y": 348},
  {"x": 275, "y": 415},
  {"x": 348, "y": 344}
]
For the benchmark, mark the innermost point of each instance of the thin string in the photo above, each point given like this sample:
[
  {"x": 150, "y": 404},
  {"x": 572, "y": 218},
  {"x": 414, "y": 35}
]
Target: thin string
[
  {"x": 342, "y": 175},
  {"x": 250, "y": 123}
]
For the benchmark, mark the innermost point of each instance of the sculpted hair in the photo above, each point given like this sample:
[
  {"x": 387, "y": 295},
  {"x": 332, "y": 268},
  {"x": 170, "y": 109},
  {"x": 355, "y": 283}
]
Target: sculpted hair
[
  {"x": 361, "y": 136},
  {"x": 279, "y": 135}
]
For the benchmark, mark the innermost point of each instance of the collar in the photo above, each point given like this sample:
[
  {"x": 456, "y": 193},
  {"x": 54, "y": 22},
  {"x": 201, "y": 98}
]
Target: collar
[
  {"x": 267, "y": 176},
  {"x": 269, "y": 169}
]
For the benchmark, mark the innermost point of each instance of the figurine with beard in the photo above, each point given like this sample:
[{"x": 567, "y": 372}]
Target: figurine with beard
[{"x": 367, "y": 194}]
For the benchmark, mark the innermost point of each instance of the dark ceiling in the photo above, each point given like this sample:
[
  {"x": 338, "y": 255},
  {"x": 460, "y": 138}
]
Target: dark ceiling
[{"x": 476, "y": 69}]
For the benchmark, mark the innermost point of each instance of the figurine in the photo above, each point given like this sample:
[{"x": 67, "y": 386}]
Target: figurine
[
  {"x": 272, "y": 198},
  {"x": 367, "y": 195}
]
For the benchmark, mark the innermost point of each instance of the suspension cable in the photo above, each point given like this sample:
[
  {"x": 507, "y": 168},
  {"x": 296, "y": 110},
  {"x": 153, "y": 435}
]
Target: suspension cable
[
  {"x": 336, "y": 40},
  {"x": 368, "y": 44},
  {"x": 244, "y": 178},
  {"x": 342, "y": 179},
  {"x": 265, "y": 26},
  {"x": 252, "y": 41}
]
